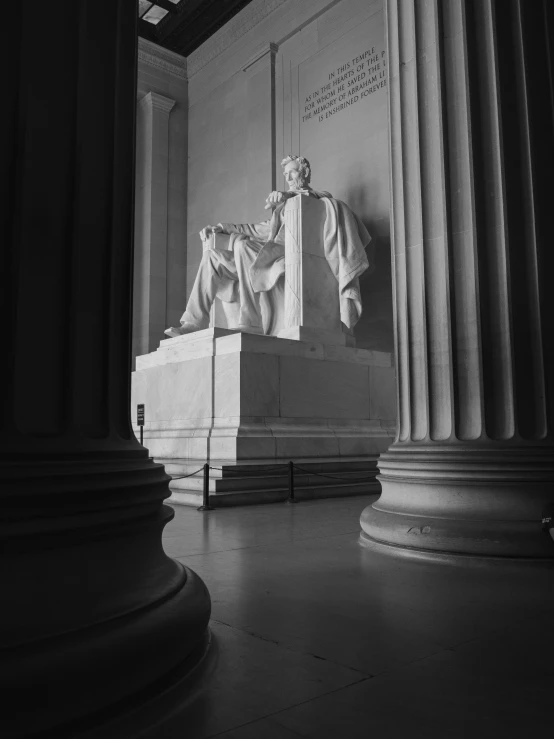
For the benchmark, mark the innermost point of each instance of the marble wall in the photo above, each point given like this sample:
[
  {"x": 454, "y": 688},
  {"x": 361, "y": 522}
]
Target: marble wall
[
  {"x": 230, "y": 154},
  {"x": 251, "y": 101},
  {"x": 333, "y": 109}
]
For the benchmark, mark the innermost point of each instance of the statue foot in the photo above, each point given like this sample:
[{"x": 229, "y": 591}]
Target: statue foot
[{"x": 184, "y": 328}]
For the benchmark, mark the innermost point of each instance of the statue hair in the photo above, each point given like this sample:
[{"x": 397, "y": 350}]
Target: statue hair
[{"x": 305, "y": 169}]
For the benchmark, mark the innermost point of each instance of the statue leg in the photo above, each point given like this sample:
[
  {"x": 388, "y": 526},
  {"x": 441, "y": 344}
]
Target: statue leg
[
  {"x": 216, "y": 268},
  {"x": 250, "y": 312}
]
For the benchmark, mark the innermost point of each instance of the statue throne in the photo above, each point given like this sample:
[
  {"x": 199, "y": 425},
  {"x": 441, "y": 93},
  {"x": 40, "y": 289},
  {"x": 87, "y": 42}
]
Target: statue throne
[{"x": 304, "y": 304}]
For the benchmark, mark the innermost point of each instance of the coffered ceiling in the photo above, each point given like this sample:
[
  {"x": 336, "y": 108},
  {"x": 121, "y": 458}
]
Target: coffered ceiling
[{"x": 183, "y": 25}]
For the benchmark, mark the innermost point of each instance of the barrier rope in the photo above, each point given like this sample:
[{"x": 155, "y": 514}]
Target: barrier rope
[
  {"x": 334, "y": 477},
  {"x": 282, "y": 467},
  {"x": 256, "y": 471},
  {"x": 182, "y": 477},
  {"x": 288, "y": 466}
]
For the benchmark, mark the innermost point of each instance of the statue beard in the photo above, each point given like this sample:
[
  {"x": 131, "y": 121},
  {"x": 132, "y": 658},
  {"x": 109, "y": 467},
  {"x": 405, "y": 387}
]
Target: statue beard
[{"x": 300, "y": 184}]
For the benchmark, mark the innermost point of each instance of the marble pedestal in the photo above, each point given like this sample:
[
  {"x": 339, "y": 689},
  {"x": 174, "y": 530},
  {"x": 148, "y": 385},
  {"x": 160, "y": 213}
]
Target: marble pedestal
[{"x": 245, "y": 403}]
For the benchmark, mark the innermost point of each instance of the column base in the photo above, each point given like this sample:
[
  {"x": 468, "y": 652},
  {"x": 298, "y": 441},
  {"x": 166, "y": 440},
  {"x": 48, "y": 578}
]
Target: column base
[
  {"x": 97, "y": 616},
  {"x": 450, "y": 558},
  {"x": 147, "y": 712},
  {"x": 484, "y": 503},
  {"x": 78, "y": 681}
]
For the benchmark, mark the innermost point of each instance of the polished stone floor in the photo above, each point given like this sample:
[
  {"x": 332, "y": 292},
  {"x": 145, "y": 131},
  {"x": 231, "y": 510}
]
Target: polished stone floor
[{"x": 316, "y": 636}]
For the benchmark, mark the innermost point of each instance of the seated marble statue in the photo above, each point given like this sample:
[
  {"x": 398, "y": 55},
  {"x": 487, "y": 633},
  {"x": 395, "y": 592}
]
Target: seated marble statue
[{"x": 248, "y": 272}]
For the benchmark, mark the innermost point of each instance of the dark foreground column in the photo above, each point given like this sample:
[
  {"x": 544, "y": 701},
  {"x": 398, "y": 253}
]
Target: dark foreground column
[
  {"x": 472, "y": 151},
  {"x": 92, "y": 609}
]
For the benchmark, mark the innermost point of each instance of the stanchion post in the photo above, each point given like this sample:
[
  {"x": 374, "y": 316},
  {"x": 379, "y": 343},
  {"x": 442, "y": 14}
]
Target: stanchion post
[
  {"x": 206, "y": 491},
  {"x": 291, "y": 498},
  {"x": 140, "y": 420}
]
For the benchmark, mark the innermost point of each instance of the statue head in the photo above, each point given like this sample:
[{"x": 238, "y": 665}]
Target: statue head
[{"x": 297, "y": 171}]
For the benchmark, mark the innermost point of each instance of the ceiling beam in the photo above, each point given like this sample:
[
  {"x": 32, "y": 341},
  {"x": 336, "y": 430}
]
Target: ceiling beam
[
  {"x": 167, "y": 5},
  {"x": 189, "y": 24},
  {"x": 185, "y": 11},
  {"x": 205, "y": 20},
  {"x": 146, "y": 30}
]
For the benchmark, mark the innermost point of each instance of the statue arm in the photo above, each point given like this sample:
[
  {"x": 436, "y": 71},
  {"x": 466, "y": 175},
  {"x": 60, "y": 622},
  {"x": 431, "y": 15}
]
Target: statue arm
[{"x": 258, "y": 231}]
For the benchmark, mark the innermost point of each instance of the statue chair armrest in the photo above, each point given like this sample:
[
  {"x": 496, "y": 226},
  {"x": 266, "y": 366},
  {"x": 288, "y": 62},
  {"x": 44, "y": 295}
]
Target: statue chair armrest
[{"x": 218, "y": 241}]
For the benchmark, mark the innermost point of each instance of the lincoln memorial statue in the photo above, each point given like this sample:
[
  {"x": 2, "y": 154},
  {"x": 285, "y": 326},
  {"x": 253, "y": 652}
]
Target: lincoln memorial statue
[
  {"x": 247, "y": 271},
  {"x": 264, "y": 367}
]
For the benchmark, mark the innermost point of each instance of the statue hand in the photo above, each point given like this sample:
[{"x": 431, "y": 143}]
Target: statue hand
[
  {"x": 208, "y": 230},
  {"x": 274, "y": 198}
]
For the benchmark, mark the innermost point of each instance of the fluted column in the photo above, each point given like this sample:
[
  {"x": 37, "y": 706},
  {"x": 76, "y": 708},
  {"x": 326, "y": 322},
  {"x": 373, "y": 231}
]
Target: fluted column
[
  {"x": 93, "y": 611},
  {"x": 472, "y": 156},
  {"x": 150, "y": 269}
]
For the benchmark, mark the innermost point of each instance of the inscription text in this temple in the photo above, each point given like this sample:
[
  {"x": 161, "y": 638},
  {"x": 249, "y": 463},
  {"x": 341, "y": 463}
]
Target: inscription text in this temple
[{"x": 347, "y": 84}]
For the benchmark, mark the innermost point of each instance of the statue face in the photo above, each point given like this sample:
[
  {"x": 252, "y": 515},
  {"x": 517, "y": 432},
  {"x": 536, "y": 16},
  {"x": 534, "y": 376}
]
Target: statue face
[{"x": 293, "y": 176}]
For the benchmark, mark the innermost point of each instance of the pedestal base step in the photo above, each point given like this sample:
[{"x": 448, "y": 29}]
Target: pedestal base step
[{"x": 235, "y": 484}]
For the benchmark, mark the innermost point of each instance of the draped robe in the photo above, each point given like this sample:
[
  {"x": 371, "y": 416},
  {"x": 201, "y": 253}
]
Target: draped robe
[{"x": 345, "y": 240}]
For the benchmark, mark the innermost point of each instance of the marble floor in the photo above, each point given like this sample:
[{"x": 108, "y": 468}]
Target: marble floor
[{"x": 316, "y": 636}]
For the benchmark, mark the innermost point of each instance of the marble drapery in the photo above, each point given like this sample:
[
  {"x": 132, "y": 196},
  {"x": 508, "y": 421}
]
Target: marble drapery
[{"x": 262, "y": 263}]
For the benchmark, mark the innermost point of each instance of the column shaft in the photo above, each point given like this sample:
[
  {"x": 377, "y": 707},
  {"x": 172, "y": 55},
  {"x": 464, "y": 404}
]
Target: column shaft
[
  {"x": 472, "y": 146},
  {"x": 93, "y": 610}
]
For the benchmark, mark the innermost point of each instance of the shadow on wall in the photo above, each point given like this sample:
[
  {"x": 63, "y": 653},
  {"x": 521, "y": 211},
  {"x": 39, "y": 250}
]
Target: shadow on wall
[{"x": 375, "y": 328}]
